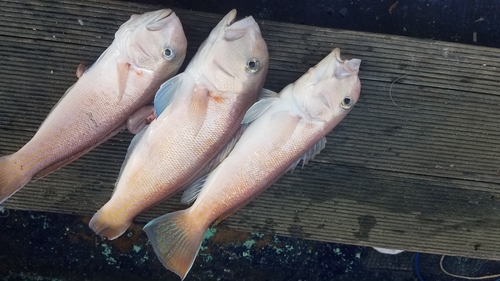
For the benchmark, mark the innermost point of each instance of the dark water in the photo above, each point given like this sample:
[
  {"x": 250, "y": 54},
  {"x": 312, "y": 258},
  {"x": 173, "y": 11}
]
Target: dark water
[{"x": 62, "y": 247}]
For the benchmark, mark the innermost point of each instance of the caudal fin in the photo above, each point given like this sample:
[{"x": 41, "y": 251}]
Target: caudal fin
[
  {"x": 176, "y": 240},
  {"x": 11, "y": 179},
  {"x": 108, "y": 223}
]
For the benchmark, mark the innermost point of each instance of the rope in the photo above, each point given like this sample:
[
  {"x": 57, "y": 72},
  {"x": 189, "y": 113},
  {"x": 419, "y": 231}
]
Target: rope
[
  {"x": 466, "y": 277},
  {"x": 417, "y": 270},
  {"x": 390, "y": 94}
]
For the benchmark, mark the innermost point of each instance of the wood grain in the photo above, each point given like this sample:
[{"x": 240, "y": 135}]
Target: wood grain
[{"x": 415, "y": 165}]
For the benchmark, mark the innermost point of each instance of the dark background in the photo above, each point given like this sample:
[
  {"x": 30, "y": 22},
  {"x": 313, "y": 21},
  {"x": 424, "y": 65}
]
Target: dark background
[{"x": 446, "y": 20}]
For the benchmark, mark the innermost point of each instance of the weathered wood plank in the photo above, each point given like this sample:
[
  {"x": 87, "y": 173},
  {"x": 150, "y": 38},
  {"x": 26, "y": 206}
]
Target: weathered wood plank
[{"x": 419, "y": 172}]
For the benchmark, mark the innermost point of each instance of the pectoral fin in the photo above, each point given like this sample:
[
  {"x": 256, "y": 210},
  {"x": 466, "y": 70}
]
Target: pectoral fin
[
  {"x": 166, "y": 93},
  {"x": 123, "y": 68},
  {"x": 141, "y": 118},
  {"x": 266, "y": 99}
]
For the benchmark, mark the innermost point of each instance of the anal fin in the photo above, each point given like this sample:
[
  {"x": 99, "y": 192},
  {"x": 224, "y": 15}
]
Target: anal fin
[{"x": 313, "y": 151}]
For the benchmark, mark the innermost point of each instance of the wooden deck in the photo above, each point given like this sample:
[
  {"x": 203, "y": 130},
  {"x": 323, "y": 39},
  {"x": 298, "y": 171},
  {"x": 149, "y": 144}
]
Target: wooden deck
[{"x": 415, "y": 165}]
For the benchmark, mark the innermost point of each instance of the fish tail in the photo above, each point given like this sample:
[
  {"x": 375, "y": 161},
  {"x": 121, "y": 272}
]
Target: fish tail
[
  {"x": 11, "y": 179},
  {"x": 109, "y": 223},
  {"x": 176, "y": 239}
]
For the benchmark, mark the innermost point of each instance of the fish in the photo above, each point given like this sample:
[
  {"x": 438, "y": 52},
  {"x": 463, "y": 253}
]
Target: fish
[
  {"x": 285, "y": 129},
  {"x": 147, "y": 50},
  {"x": 199, "y": 114}
]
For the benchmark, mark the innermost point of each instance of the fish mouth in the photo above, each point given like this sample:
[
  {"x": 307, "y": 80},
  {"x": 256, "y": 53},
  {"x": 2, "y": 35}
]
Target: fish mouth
[
  {"x": 350, "y": 66},
  {"x": 333, "y": 66},
  {"x": 163, "y": 14},
  {"x": 238, "y": 25},
  {"x": 353, "y": 64},
  {"x": 241, "y": 24},
  {"x": 235, "y": 30},
  {"x": 230, "y": 17},
  {"x": 336, "y": 54},
  {"x": 162, "y": 19}
]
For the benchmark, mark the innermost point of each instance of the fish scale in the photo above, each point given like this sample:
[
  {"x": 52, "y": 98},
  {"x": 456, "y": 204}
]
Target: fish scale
[
  {"x": 199, "y": 113},
  {"x": 286, "y": 128},
  {"x": 98, "y": 105}
]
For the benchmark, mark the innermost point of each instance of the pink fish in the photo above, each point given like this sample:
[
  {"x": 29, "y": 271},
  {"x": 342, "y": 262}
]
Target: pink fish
[
  {"x": 291, "y": 128},
  {"x": 147, "y": 50},
  {"x": 199, "y": 112}
]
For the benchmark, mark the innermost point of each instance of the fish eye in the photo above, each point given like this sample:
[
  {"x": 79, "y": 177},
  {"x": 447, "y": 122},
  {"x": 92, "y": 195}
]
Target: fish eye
[
  {"x": 168, "y": 53},
  {"x": 253, "y": 65},
  {"x": 346, "y": 103}
]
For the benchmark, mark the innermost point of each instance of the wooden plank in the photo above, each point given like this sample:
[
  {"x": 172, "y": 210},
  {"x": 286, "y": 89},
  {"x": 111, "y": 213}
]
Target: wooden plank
[{"x": 414, "y": 166}]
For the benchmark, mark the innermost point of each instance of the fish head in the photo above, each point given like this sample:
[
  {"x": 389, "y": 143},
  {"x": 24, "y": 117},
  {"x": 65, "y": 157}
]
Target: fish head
[
  {"x": 153, "y": 41},
  {"x": 330, "y": 89},
  {"x": 235, "y": 56}
]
